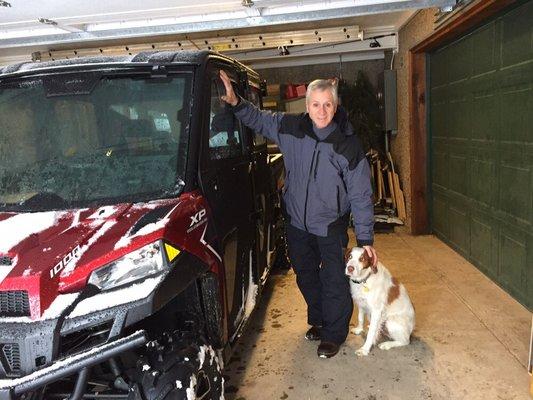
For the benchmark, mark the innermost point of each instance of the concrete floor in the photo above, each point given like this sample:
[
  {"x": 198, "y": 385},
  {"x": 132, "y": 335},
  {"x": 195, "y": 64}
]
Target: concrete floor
[{"x": 470, "y": 342}]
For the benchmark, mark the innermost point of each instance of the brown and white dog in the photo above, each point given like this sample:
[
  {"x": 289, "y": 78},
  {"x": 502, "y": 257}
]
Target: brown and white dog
[{"x": 382, "y": 298}]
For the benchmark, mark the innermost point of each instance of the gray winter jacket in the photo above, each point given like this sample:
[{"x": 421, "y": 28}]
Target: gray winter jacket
[{"x": 323, "y": 179}]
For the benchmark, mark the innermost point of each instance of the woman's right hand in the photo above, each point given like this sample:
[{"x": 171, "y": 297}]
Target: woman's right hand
[{"x": 230, "y": 97}]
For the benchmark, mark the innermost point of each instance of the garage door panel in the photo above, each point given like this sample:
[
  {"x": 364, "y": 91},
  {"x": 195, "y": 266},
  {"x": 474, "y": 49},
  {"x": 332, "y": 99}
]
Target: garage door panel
[
  {"x": 517, "y": 45},
  {"x": 484, "y": 55},
  {"x": 459, "y": 60},
  {"x": 440, "y": 214},
  {"x": 482, "y": 167},
  {"x": 439, "y": 120},
  {"x": 485, "y": 124},
  {"x": 516, "y": 111},
  {"x": 440, "y": 170},
  {"x": 459, "y": 228},
  {"x": 482, "y": 178},
  {"x": 482, "y": 244},
  {"x": 516, "y": 78},
  {"x": 515, "y": 191},
  {"x": 458, "y": 124},
  {"x": 512, "y": 268},
  {"x": 439, "y": 69},
  {"x": 458, "y": 175}
]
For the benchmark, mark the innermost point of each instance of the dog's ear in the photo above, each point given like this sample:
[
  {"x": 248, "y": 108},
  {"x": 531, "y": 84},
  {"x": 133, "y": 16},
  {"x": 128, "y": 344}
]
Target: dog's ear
[
  {"x": 374, "y": 268},
  {"x": 365, "y": 259},
  {"x": 347, "y": 255}
]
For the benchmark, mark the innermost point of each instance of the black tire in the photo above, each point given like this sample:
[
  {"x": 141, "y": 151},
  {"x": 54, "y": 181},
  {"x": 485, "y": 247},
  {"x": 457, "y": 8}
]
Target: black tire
[
  {"x": 179, "y": 371},
  {"x": 212, "y": 308},
  {"x": 282, "y": 261}
]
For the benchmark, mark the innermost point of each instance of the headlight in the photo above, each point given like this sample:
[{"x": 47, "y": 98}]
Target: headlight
[{"x": 138, "y": 264}]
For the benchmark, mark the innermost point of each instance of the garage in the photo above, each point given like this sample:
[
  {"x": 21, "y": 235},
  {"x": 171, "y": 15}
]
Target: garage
[{"x": 144, "y": 226}]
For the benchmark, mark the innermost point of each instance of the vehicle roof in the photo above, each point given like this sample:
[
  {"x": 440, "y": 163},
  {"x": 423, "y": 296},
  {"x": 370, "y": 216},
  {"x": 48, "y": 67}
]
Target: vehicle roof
[{"x": 192, "y": 57}]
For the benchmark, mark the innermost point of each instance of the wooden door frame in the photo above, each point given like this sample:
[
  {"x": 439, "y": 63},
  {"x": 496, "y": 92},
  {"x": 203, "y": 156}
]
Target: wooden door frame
[{"x": 419, "y": 157}]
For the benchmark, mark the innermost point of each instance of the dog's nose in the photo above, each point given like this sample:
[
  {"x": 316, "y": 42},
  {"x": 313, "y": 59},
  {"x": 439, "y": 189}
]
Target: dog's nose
[{"x": 349, "y": 269}]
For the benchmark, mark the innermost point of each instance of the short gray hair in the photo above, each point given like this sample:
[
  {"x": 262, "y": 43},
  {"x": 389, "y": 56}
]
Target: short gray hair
[{"x": 323, "y": 84}]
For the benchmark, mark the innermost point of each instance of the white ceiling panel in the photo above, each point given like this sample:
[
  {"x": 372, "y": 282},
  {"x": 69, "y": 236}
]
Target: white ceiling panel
[{"x": 28, "y": 26}]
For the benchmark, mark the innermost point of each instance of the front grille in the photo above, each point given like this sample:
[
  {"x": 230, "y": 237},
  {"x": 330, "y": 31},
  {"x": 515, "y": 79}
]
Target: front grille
[
  {"x": 5, "y": 260},
  {"x": 14, "y": 303},
  {"x": 10, "y": 355}
]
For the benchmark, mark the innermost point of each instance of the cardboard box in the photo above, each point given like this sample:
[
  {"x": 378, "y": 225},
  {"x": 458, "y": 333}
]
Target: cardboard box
[
  {"x": 300, "y": 90},
  {"x": 290, "y": 91},
  {"x": 273, "y": 89},
  {"x": 296, "y": 105}
]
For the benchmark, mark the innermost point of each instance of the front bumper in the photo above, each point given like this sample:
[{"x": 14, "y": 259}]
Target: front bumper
[
  {"x": 27, "y": 346},
  {"x": 10, "y": 388}
]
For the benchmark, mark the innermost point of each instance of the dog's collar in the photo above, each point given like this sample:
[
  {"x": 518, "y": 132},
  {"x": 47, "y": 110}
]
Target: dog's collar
[{"x": 361, "y": 281}]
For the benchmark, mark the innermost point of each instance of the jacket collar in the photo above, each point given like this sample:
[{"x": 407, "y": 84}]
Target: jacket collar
[{"x": 344, "y": 127}]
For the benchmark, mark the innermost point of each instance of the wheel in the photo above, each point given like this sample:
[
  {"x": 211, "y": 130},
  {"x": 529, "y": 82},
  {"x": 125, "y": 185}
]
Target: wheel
[{"x": 178, "y": 370}]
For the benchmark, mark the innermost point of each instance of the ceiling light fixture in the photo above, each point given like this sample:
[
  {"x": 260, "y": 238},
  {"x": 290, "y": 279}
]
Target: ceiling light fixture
[
  {"x": 283, "y": 51},
  {"x": 4, "y": 4},
  {"x": 47, "y": 21},
  {"x": 374, "y": 43},
  {"x": 247, "y": 3}
]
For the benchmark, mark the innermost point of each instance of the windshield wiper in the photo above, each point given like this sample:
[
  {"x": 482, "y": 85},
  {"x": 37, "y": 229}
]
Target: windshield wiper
[{"x": 44, "y": 201}]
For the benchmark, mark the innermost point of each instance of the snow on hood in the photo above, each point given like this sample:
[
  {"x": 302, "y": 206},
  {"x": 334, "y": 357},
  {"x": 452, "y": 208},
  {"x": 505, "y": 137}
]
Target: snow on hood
[
  {"x": 99, "y": 233},
  {"x": 145, "y": 230},
  {"x": 17, "y": 228}
]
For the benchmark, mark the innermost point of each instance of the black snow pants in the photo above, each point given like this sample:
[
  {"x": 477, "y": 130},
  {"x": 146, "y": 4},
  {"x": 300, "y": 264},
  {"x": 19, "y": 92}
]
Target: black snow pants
[{"x": 319, "y": 266}]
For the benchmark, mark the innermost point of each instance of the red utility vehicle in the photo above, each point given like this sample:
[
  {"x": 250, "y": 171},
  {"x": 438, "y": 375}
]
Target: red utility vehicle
[{"x": 139, "y": 221}]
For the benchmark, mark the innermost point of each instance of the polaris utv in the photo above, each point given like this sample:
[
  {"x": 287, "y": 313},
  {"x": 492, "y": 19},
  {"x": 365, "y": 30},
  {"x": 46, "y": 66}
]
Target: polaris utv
[{"x": 139, "y": 221}]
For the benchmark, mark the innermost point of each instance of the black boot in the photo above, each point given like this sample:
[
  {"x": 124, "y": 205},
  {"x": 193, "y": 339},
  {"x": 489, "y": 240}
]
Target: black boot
[
  {"x": 327, "y": 349},
  {"x": 313, "y": 333}
]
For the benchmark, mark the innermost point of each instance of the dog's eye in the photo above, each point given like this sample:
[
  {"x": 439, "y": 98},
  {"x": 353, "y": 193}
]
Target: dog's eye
[{"x": 361, "y": 258}]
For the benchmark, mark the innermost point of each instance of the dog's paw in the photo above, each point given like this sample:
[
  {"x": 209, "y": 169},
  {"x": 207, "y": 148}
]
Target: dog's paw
[
  {"x": 385, "y": 346},
  {"x": 357, "y": 330},
  {"x": 361, "y": 352}
]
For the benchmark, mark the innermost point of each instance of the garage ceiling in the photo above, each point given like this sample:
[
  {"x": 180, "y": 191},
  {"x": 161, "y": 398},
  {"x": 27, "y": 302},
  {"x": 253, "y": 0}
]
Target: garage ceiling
[{"x": 28, "y": 26}]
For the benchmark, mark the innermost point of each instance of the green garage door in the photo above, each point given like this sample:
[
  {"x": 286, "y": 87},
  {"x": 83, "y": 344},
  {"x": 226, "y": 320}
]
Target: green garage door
[{"x": 481, "y": 149}]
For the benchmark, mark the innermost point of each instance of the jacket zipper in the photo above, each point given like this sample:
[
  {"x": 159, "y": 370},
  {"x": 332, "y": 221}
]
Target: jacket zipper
[
  {"x": 338, "y": 202},
  {"x": 307, "y": 188},
  {"x": 316, "y": 164}
]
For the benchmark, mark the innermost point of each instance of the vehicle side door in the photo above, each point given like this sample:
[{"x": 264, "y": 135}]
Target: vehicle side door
[
  {"x": 225, "y": 180},
  {"x": 261, "y": 177}
]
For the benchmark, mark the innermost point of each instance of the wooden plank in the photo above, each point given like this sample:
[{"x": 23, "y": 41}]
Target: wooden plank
[
  {"x": 399, "y": 198},
  {"x": 418, "y": 140},
  {"x": 391, "y": 187},
  {"x": 379, "y": 180}
]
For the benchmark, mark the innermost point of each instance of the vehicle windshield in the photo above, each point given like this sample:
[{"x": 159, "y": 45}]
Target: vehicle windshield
[{"x": 87, "y": 139}]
